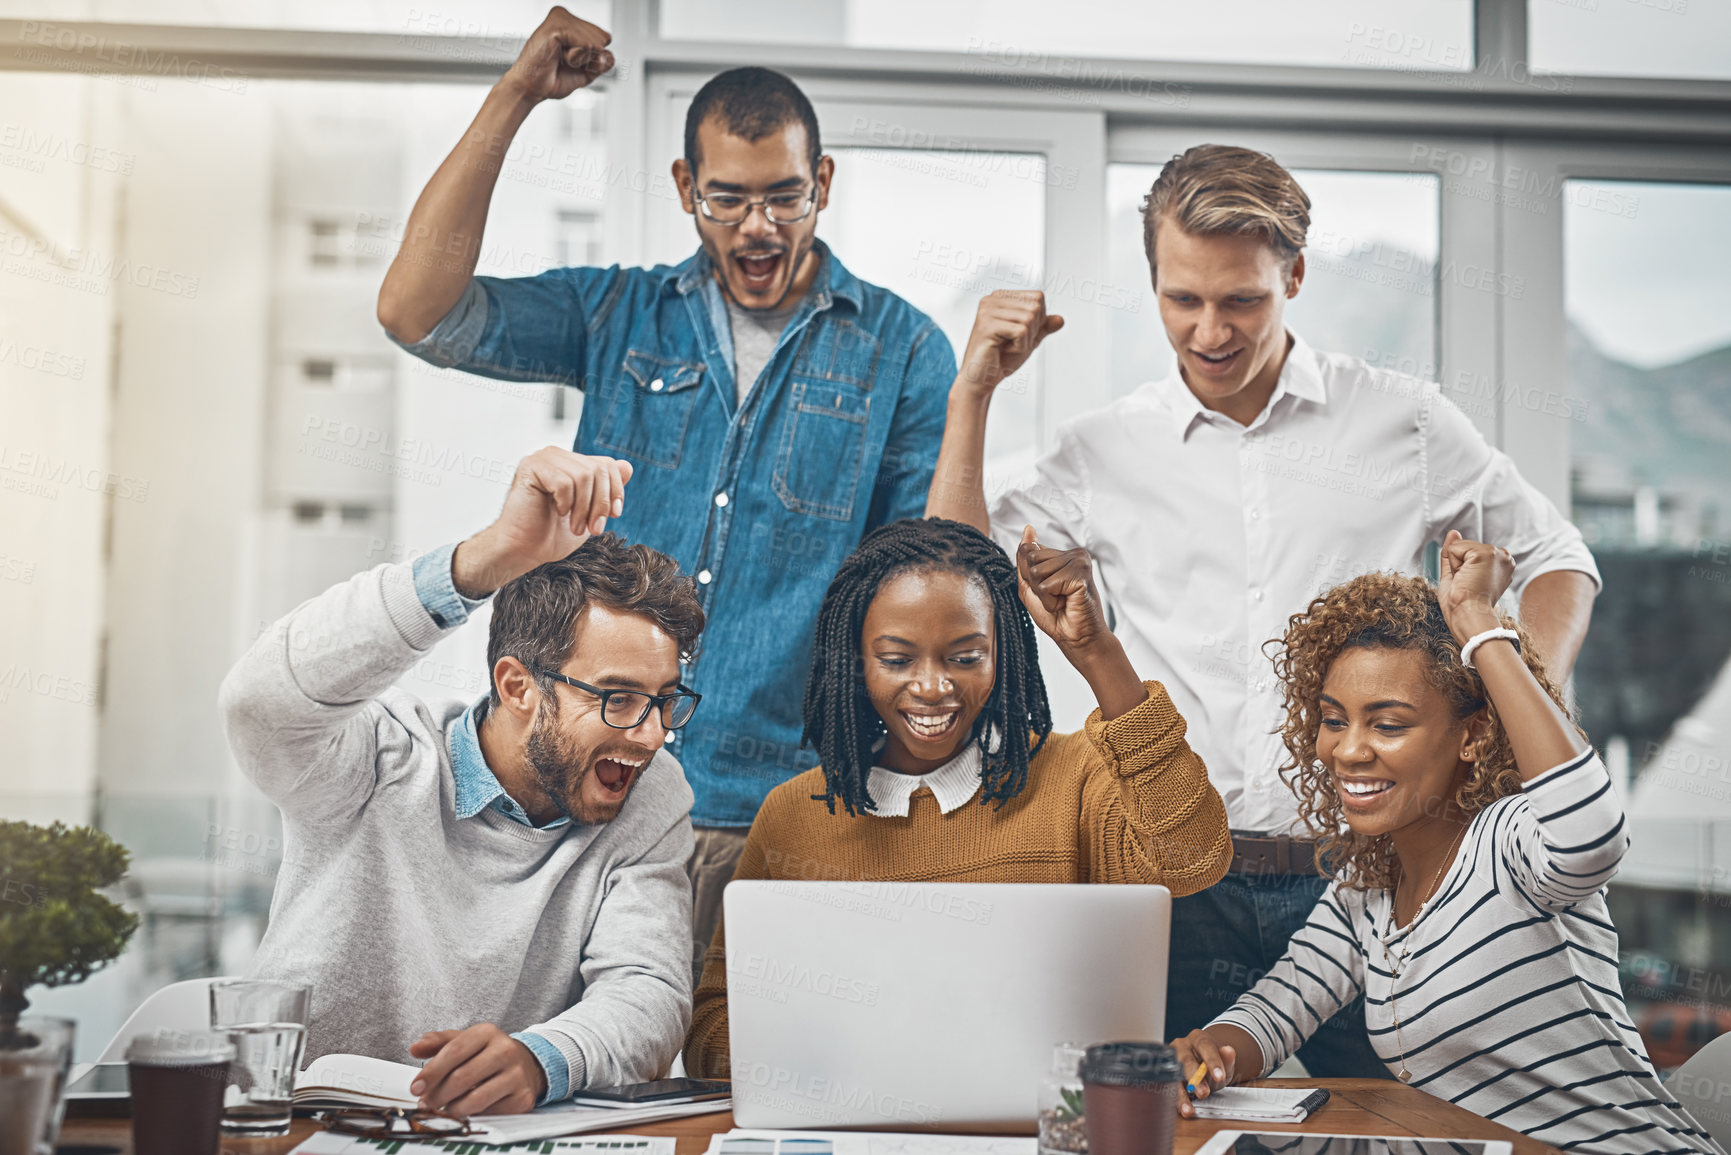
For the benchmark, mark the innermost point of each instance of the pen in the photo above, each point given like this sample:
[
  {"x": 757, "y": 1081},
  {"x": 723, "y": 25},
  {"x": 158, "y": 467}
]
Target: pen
[{"x": 1201, "y": 1076}]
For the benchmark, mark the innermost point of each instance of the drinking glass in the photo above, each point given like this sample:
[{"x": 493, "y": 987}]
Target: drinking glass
[
  {"x": 33, "y": 1085},
  {"x": 268, "y": 1023}
]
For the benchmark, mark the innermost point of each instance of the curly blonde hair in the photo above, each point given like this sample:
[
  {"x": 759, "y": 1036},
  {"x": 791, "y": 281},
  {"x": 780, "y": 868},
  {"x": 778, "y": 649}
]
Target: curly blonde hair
[{"x": 1382, "y": 611}]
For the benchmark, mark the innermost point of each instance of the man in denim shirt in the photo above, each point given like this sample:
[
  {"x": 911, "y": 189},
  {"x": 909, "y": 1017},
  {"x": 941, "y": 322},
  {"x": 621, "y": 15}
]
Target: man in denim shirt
[{"x": 774, "y": 407}]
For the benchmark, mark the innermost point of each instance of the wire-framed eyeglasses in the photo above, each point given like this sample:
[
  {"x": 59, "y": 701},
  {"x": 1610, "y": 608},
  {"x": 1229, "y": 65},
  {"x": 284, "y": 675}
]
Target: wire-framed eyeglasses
[
  {"x": 626, "y": 709},
  {"x": 779, "y": 208},
  {"x": 396, "y": 1123}
]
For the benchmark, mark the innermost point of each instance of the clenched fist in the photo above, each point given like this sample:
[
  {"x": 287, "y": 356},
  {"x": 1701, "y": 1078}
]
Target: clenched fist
[
  {"x": 561, "y": 56},
  {"x": 1057, "y": 587},
  {"x": 1474, "y": 576},
  {"x": 556, "y": 501},
  {"x": 1008, "y": 327}
]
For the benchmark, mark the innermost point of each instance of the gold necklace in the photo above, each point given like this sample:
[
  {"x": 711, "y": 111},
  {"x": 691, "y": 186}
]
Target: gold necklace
[{"x": 1395, "y": 965}]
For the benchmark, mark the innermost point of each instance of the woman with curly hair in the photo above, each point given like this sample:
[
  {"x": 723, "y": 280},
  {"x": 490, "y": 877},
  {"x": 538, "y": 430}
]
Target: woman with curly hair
[
  {"x": 927, "y": 708},
  {"x": 1470, "y": 831}
]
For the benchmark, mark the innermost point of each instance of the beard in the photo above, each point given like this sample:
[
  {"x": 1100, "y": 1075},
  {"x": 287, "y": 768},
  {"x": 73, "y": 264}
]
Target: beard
[
  {"x": 795, "y": 256},
  {"x": 561, "y": 767}
]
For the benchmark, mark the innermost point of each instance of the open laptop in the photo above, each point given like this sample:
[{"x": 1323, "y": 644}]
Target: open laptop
[{"x": 929, "y": 1005}]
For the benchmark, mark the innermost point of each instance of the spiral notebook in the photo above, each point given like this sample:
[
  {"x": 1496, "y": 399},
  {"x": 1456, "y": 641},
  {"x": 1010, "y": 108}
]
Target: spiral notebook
[{"x": 1260, "y": 1104}]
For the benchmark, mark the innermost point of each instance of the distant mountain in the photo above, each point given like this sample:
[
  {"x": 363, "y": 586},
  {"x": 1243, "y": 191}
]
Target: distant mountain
[
  {"x": 1661, "y": 627},
  {"x": 1668, "y": 427}
]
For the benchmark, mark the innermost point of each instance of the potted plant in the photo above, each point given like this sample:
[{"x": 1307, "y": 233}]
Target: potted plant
[{"x": 54, "y": 929}]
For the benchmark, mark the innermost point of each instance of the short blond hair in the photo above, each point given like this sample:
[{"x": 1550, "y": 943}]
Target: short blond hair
[{"x": 1221, "y": 189}]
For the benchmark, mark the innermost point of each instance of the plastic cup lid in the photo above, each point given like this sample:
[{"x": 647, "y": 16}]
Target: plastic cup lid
[
  {"x": 1130, "y": 1064},
  {"x": 169, "y": 1048}
]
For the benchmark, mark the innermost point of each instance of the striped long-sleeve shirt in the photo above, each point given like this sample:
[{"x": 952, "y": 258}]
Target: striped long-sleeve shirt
[{"x": 1507, "y": 997}]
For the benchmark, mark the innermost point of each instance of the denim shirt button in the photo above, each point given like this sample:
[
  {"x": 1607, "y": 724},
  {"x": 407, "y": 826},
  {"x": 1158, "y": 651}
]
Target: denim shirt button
[
  {"x": 657, "y": 385},
  {"x": 721, "y": 501},
  {"x": 704, "y": 577}
]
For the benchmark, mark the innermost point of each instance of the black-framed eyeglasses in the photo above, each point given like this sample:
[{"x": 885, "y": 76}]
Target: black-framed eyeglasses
[
  {"x": 626, "y": 709},
  {"x": 396, "y": 1123},
  {"x": 779, "y": 208}
]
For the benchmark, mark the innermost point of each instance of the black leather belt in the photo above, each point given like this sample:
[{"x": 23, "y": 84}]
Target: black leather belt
[{"x": 1273, "y": 854}]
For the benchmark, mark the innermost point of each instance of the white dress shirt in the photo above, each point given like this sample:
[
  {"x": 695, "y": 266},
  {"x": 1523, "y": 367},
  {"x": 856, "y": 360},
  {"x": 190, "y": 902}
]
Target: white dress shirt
[
  {"x": 1210, "y": 534},
  {"x": 952, "y": 784}
]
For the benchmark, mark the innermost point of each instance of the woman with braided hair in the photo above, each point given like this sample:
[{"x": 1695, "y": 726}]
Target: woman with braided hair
[{"x": 927, "y": 708}]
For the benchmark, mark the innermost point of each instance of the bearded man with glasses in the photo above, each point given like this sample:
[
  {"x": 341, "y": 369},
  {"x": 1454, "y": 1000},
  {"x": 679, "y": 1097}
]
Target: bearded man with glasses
[
  {"x": 499, "y": 890},
  {"x": 776, "y": 408}
]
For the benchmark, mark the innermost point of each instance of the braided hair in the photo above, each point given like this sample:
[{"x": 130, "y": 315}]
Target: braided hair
[{"x": 841, "y": 722}]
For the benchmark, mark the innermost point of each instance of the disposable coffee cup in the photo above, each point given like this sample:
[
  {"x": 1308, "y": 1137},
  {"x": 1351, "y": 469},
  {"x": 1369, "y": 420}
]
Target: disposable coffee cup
[
  {"x": 178, "y": 1079},
  {"x": 1130, "y": 1094}
]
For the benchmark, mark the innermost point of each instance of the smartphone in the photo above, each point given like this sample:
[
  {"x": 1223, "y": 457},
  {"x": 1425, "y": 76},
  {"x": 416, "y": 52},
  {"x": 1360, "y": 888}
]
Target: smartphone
[{"x": 663, "y": 1092}]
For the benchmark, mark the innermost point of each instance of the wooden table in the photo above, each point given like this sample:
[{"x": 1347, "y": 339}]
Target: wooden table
[{"x": 1358, "y": 1107}]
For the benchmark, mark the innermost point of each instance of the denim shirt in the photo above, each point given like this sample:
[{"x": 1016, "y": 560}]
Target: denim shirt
[{"x": 760, "y": 501}]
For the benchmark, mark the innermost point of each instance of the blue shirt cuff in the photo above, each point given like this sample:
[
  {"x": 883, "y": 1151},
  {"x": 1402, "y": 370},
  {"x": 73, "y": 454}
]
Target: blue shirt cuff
[
  {"x": 438, "y": 593},
  {"x": 552, "y": 1062}
]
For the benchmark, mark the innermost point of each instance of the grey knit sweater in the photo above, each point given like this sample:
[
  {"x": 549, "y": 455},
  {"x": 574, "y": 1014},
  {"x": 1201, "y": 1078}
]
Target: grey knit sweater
[{"x": 405, "y": 918}]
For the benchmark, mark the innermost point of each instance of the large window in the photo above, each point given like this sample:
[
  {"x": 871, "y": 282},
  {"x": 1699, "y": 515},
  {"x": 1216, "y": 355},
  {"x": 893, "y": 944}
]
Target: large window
[
  {"x": 450, "y": 27},
  {"x": 1649, "y": 369},
  {"x": 966, "y": 224},
  {"x": 1030, "y": 38},
  {"x": 1679, "y": 38},
  {"x": 204, "y": 425}
]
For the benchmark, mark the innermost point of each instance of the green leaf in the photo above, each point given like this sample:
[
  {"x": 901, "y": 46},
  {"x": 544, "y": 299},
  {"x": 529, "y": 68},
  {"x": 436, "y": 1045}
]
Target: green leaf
[{"x": 54, "y": 926}]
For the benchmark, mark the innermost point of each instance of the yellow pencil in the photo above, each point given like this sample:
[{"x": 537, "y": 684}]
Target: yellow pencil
[{"x": 1200, "y": 1078}]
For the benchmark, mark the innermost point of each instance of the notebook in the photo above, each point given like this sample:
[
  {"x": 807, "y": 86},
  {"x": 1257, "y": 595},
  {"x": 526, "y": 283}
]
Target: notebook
[{"x": 1260, "y": 1104}]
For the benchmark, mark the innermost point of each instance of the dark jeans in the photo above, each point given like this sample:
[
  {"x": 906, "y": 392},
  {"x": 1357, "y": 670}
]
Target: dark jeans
[{"x": 1225, "y": 939}]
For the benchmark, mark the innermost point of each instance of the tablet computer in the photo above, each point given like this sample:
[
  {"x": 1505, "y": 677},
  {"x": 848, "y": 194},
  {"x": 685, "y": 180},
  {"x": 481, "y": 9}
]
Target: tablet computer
[
  {"x": 660, "y": 1092},
  {"x": 1302, "y": 1143}
]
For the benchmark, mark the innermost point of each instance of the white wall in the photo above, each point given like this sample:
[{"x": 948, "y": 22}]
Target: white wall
[
  {"x": 189, "y": 402},
  {"x": 57, "y": 211}
]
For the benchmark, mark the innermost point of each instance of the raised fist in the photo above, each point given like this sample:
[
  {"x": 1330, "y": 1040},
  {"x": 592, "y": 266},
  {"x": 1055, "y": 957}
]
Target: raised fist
[
  {"x": 561, "y": 56},
  {"x": 1009, "y": 326}
]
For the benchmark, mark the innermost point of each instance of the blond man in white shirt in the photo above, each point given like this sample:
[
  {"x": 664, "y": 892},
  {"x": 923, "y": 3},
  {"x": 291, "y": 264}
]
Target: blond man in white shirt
[{"x": 1220, "y": 500}]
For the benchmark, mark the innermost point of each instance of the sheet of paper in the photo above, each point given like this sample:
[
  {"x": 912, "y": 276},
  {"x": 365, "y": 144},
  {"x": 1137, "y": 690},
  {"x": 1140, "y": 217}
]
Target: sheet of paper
[
  {"x": 570, "y": 1119},
  {"x": 740, "y": 1142},
  {"x": 326, "y": 1143}
]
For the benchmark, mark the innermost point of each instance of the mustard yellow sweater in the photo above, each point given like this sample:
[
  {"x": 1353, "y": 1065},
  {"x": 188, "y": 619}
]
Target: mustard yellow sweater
[{"x": 1121, "y": 801}]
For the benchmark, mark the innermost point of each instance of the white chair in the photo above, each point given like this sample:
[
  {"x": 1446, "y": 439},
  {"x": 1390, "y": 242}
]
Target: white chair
[
  {"x": 183, "y": 1006},
  {"x": 1703, "y": 1086}
]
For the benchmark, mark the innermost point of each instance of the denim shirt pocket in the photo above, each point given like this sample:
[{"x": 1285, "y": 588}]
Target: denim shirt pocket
[
  {"x": 822, "y": 446},
  {"x": 649, "y": 406}
]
